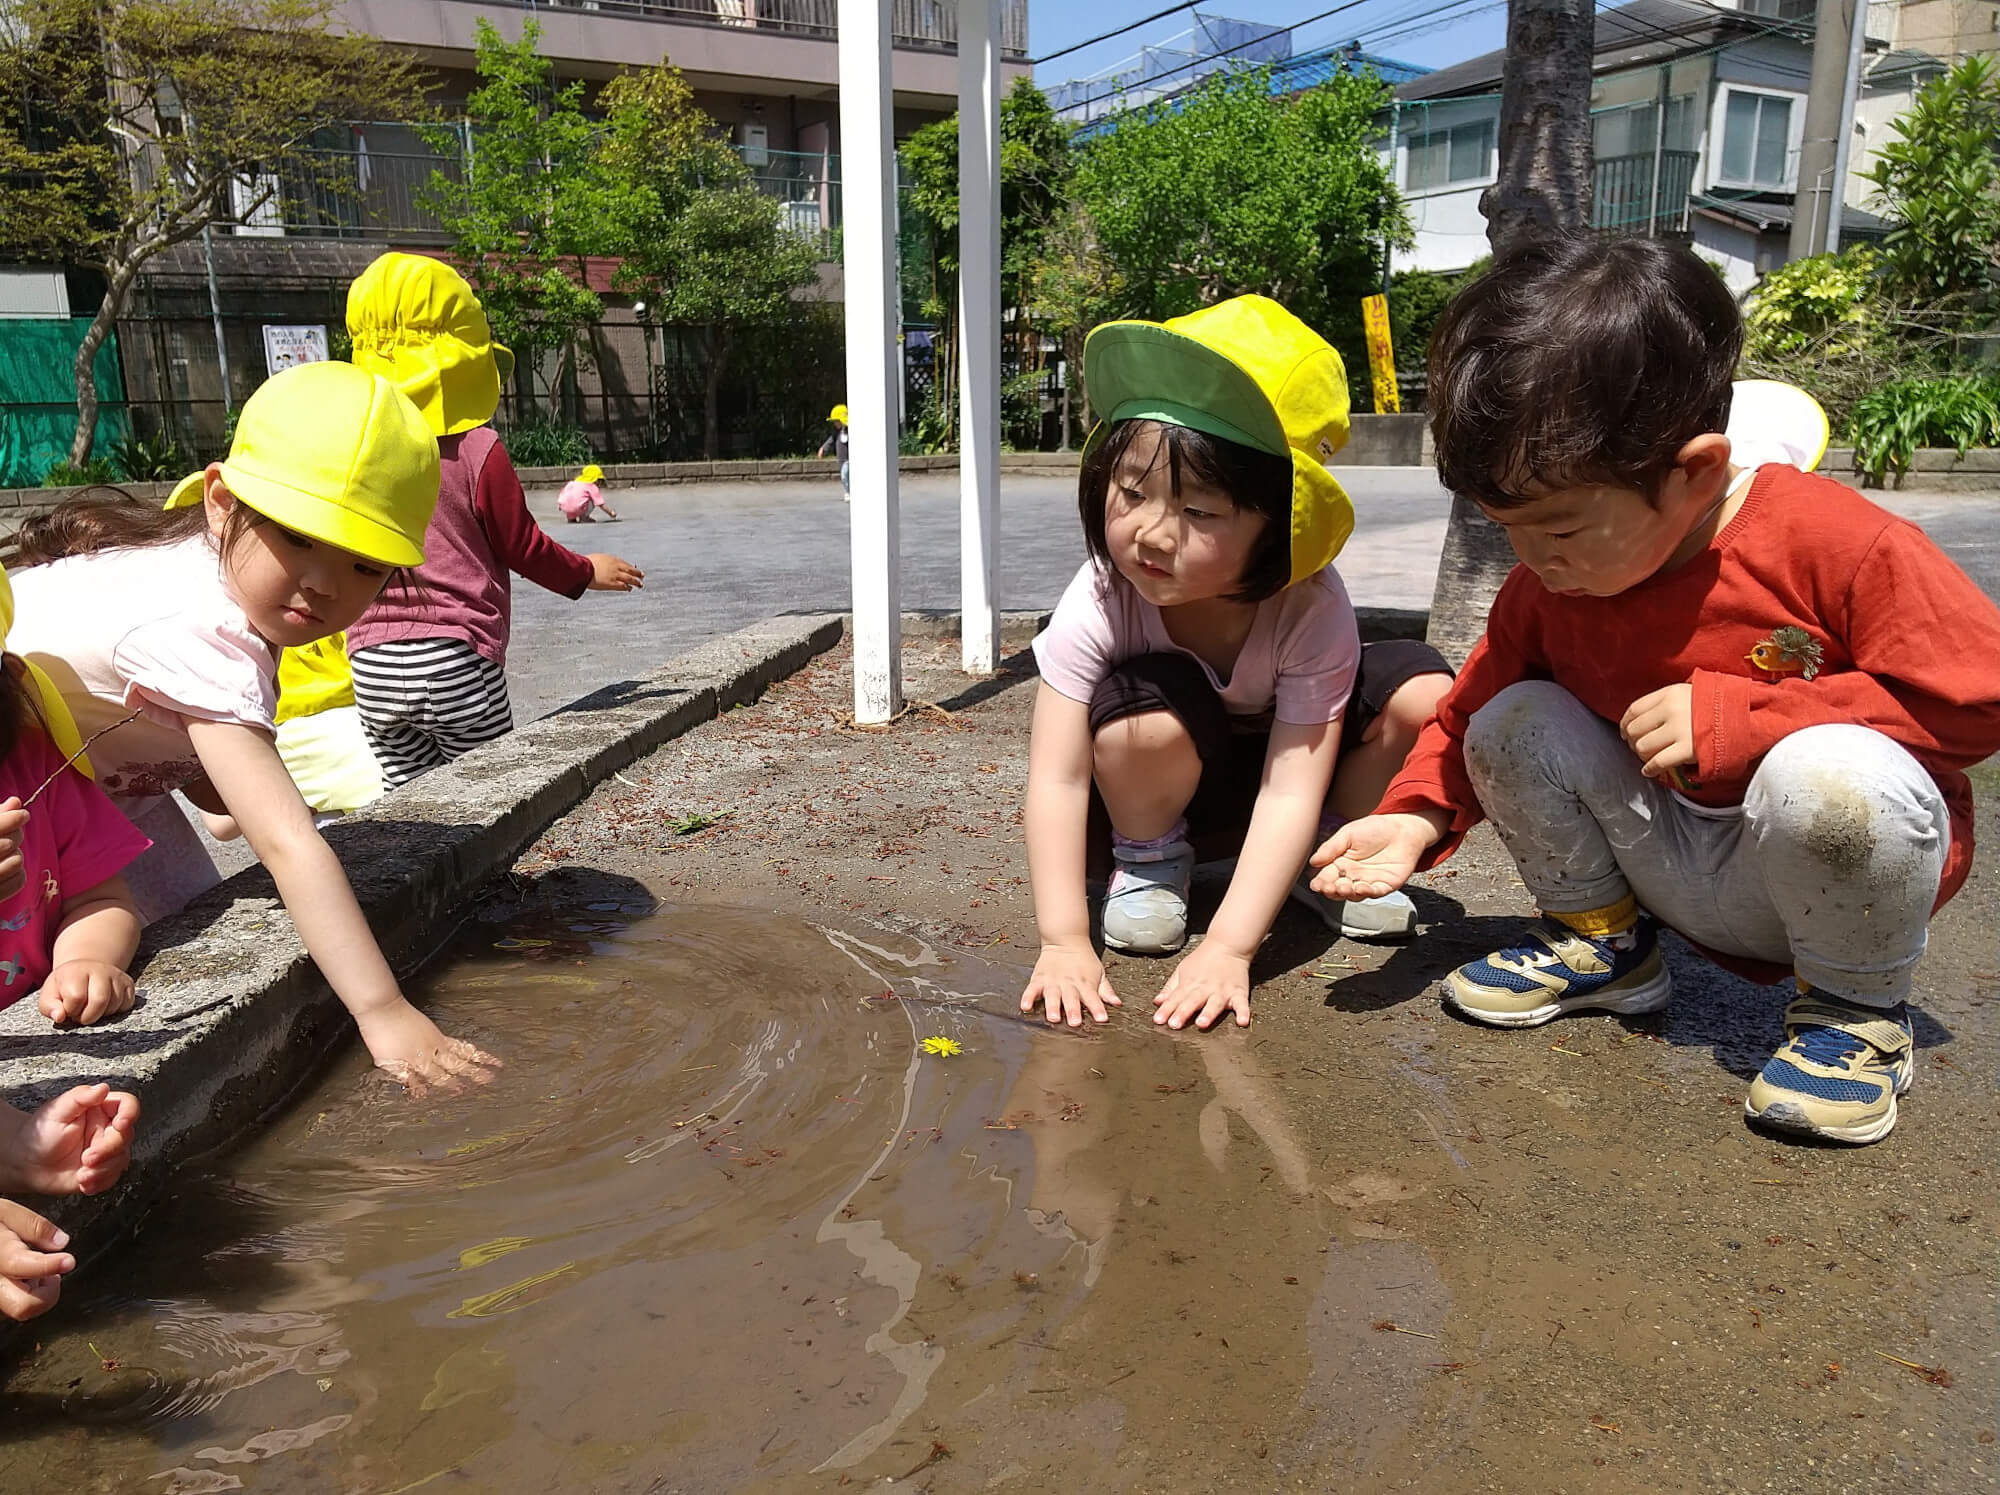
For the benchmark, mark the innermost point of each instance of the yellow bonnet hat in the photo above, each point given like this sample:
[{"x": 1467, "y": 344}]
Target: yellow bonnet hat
[
  {"x": 415, "y": 321},
  {"x": 54, "y": 710},
  {"x": 1250, "y": 372}
]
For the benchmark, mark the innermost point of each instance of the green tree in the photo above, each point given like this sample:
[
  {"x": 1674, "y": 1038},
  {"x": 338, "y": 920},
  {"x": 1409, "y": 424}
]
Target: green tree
[
  {"x": 698, "y": 241},
  {"x": 127, "y": 126},
  {"x": 528, "y": 208},
  {"x": 1938, "y": 178},
  {"x": 1232, "y": 190}
]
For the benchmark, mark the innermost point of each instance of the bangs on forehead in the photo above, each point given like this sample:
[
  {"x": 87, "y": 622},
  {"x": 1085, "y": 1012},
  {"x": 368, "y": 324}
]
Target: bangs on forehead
[{"x": 1183, "y": 452}]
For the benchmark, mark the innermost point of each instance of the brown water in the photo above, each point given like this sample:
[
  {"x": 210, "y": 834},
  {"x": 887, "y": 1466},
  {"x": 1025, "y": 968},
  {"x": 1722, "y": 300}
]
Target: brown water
[{"x": 725, "y": 1224}]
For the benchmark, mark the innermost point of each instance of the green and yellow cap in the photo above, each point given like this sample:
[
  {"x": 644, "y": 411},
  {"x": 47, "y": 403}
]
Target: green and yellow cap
[
  {"x": 1250, "y": 372},
  {"x": 336, "y": 454}
]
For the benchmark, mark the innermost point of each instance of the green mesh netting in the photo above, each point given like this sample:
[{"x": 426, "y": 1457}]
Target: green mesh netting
[{"x": 38, "y": 395}]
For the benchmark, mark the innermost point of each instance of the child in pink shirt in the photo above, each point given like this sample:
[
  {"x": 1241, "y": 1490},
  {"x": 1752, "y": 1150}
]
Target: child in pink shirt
[{"x": 581, "y": 494}]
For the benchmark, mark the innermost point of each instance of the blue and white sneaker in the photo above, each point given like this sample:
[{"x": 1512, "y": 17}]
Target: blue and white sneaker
[
  {"x": 1839, "y": 1072},
  {"x": 1146, "y": 902},
  {"x": 1552, "y": 970}
]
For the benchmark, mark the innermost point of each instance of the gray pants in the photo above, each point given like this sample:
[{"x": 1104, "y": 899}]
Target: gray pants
[{"x": 1830, "y": 865}]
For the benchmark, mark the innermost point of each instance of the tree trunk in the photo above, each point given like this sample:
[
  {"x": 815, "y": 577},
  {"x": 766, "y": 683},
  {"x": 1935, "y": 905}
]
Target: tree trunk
[
  {"x": 116, "y": 285},
  {"x": 1543, "y": 188}
]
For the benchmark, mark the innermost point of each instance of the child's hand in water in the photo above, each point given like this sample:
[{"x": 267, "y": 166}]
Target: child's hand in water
[
  {"x": 1070, "y": 982},
  {"x": 413, "y": 1051},
  {"x": 1372, "y": 857},
  {"x": 78, "y": 1143},
  {"x": 32, "y": 1262},
  {"x": 86, "y": 992},
  {"x": 1208, "y": 983},
  {"x": 12, "y": 818}
]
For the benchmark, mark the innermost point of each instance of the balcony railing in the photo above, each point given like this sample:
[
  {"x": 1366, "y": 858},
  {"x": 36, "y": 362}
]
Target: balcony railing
[
  {"x": 912, "y": 23},
  {"x": 1623, "y": 196},
  {"x": 368, "y": 191}
]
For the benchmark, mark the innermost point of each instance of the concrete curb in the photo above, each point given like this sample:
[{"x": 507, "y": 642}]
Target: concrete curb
[{"x": 232, "y": 1015}]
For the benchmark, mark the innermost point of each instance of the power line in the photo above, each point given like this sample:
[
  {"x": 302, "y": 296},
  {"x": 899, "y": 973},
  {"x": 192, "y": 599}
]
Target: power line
[{"x": 1105, "y": 36}]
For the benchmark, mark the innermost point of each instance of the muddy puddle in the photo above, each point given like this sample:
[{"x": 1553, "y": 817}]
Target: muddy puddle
[{"x": 729, "y": 1222}]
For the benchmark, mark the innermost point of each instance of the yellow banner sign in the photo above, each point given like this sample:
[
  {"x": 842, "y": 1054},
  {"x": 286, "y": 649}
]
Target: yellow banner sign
[{"x": 1381, "y": 354}]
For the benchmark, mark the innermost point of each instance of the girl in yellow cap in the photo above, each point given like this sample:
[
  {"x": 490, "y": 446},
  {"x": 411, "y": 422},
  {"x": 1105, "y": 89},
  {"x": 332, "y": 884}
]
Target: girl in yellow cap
[
  {"x": 582, "y": 494},
  {"x": 162, "y": 631},
  {"x": 837, "y": 443},
  {"x": 430, "y": 663},
  {"x": 1204, "y": 688}
]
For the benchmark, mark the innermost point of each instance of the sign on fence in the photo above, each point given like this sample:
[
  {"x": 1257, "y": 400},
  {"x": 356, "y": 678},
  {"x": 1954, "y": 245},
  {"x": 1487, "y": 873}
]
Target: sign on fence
[
  {"x": 1381, "y": 354},
  {"x": 286, "y": 347}
]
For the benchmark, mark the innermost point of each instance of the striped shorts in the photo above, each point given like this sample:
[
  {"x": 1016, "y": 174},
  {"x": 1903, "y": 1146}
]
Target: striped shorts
[{"x": 426, "y": 701}]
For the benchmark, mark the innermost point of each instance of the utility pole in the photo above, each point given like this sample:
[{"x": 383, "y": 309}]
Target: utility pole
[
  {"x": 1857, "y": 37},
  {"x": 1836, "y": 38}
]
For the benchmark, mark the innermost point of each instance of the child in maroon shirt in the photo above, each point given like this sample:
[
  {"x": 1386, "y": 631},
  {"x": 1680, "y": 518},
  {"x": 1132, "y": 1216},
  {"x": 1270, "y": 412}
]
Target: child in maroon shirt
[
  {"x": 430, "y": 657},
  {"x": 1737, "y": 701}
]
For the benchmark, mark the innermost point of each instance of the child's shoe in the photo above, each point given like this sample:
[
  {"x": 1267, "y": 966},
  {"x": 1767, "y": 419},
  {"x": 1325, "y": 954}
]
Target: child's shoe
[
  {"x": 1146, "y": 903},
  {"x": 1390, "y": 917},
  {"x": 1839, "y": 1072},
  {"x": 1552, "y": 970}
]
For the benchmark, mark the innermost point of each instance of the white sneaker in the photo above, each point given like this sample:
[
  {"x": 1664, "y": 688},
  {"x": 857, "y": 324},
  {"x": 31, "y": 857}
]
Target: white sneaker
[
  {"x": 1390, "y": 917},
  {"x": 1146, "y": 903}
]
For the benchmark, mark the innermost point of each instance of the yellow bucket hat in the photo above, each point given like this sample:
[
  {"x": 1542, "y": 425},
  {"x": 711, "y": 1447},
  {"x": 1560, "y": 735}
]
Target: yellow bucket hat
[
  {"x": 1771, "y": 421},
  {"x": 336, "y": 454},
  {"x": 591, "y": 474},
  {"x": 416, "y": 322},
  {"x": 1248, "y": 371},
  {"x": 54, "y": 710},
  {"x": 839, "y": 414}
]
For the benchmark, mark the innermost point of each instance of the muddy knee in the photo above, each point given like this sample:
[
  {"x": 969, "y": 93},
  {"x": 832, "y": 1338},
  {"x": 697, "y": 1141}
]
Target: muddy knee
[
  {"x": 1521, "y": 726},
  {"x": 1849, "y": 799}
]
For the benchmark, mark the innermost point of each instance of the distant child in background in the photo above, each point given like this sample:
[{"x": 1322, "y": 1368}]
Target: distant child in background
[
  {"x": 581, "y": 494},
  {"x": 67, "y": 923},
  {"x": 837, "y": 442},
  {"x": 430, "y": 661},
  {"x": 1718, "y": 694},
  {"x": 162, "y": 630},
  {"x": 1203, "y": 678},
  {"x": 78, "y": 1143}
]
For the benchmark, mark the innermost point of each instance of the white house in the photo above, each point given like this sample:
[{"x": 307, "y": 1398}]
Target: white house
[{"x": 1729, "y": 86}]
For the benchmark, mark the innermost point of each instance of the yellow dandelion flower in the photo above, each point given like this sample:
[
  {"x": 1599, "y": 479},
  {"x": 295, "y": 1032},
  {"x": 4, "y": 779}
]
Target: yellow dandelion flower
[{"x": 944, "y": 1048}]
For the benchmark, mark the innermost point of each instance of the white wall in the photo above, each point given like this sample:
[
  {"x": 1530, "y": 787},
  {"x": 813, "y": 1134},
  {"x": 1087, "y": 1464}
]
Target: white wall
[
  {"x": 1450, "y": 231},
  {"x": 1733, "y": 246},
  {"x": 33, "y": 293}
]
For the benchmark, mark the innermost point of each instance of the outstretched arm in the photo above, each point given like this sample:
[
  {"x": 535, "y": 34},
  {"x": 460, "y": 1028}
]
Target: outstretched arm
[
  {"x": 245, "y": 766},
  {"x": 1068, "y": 979}
]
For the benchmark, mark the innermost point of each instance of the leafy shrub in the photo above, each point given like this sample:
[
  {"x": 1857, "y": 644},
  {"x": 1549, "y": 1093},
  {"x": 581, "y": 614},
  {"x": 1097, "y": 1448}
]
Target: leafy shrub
[
  {"x": 153, "y": 460},
  {"x": 1417, "y": 298},
  {"x": 548, "y": 444},
  {"x": 66, "y": 474},
  {"x": 1938, "y": 178},
  {"x": 1822, "y": 301},
  {"x": 1891, "y": 423}
]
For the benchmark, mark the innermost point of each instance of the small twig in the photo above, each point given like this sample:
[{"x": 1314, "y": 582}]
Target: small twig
[
  {"x": 1937, "y": 1375},
  {"x": 1390, "y": 1326},
  {"x": 78, "y": 754}
]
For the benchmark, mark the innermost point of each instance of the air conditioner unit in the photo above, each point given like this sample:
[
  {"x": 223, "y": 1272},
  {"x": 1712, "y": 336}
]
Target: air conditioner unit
[{"x": 754, "y": 142}]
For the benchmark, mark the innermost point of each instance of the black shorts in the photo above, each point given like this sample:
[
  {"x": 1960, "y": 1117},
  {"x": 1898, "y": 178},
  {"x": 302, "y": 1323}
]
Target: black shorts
[{"x": 1232, "y": 756}]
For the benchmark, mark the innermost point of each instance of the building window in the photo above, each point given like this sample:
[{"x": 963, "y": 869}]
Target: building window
[
  {"x": 1463, "y": 153},
  {"x": 1756, "y": 139},
  {"x": 1628, "y": 130},
  {"x": 1781, "y": 10}
]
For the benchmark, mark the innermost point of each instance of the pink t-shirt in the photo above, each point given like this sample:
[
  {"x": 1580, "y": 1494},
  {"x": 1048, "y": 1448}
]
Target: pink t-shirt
[
  {"x": 74, "y": 840},
  {"x": 1298, "y": 662},
  {"x": 153, "y": 628},
  {"x": 579, "y": 497}
]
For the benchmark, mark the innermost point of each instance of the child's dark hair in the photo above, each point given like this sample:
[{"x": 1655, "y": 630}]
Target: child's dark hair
[
  {"x": 105, "y": 518},
  {"x": 20, "y": 704},
  {"x": 1580, "y": 361},
  {"x": 1253, "y": 480}
]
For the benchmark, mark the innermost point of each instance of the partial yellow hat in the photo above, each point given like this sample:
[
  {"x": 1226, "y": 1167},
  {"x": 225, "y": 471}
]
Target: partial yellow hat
[
  {"x": 1772, "y": 421},
  {"x": 415, "y": 321},
  {"x": 314, "y": 677},
  {"x": 1248, "y": 371},
  {"x": 54, "y": 710},
  {"x": 839, "y": 414},
  {"x": 591, "y": 473},
  {"x": 336, "y": 454}
]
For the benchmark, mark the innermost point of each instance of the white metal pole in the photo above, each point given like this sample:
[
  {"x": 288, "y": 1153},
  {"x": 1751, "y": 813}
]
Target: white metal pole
[
  {"x": 1844, "y": 142},
  {"x": 868, "y": 187},
  {"x": 979, "y": 334}
]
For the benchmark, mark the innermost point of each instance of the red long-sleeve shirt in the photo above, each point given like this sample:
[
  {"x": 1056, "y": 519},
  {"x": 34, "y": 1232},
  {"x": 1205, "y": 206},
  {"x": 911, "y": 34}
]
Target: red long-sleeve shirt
[
  {"x": 1907, "y": 644},
  {"x": 481, "y": 531}
]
